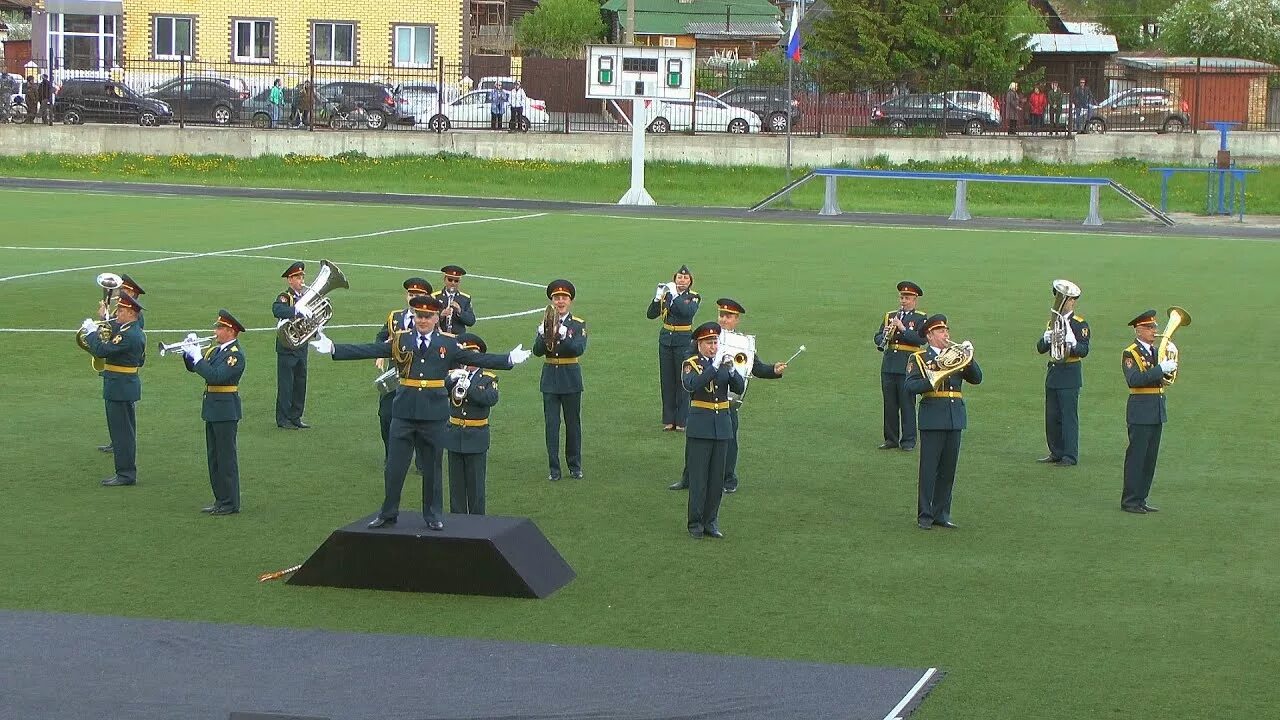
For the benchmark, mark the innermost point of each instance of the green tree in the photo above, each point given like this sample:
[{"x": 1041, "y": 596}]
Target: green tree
[
  {"x": 560, "y": 28},
  {"x": 1135, "y": 23},
  {"x": 1224, "y": 28}
]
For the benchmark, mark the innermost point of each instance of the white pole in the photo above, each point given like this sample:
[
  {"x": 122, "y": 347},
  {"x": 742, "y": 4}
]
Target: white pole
[{"x": 637, "y": 195}]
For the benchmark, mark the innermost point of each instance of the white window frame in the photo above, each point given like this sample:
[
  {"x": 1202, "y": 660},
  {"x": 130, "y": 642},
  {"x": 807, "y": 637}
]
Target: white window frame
[
  {"x": 333, "y": 35},
  {"x": 668, "y": 41},
  {"x": 253, "y": 42},
  {"x": 395, "y": 45},
  {"x": 56, "y": 35},
  {"x": 173, "y": 20}
]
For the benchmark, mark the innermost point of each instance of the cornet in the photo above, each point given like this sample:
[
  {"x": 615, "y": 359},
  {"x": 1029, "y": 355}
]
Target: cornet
[{"x": 201, "y": 343}]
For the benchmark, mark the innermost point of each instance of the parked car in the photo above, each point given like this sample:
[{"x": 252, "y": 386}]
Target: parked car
[
  {"x": 257, "y": 109},
  {"x": 420, "y": 98},
  {"x": 489, "y": 81},
  {"x": 771, "y": 104},
  {"x": 976, "y": 100},
  {"x": 472, "y": 111},
  {"x": 712, "y": 115},
  {"x": 925, "y": 110},
  {"x": 80, "y": 100},
  {"x": 201, "y": 99},
  {"x": 380, "y": 101},
  {"x": 1139, "y": 109}
]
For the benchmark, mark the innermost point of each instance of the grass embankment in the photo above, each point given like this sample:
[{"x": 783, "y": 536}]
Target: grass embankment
[{"x": 669, "y": 183}]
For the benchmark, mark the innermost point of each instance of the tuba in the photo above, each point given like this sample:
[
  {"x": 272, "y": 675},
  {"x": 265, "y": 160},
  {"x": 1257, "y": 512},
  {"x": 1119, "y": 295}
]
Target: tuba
[
  {"x": 1063, "y": 290},
  {"x": 296, "y": 331},
  {"x": 954, "y": 358},
  {"x": 1166, "y": 350},
  {"x": 550, "y": 328}
]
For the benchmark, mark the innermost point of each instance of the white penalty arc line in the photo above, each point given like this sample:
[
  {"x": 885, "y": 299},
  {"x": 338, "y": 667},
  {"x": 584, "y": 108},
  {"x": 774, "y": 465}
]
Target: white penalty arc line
[
  {"x": 93, "y": 249},
  {"x": 495, "y": 278},
  {"x": 272, "y": 328},
  {"x": 893, "y": 714},
  {"x": 270, "y": 246}
]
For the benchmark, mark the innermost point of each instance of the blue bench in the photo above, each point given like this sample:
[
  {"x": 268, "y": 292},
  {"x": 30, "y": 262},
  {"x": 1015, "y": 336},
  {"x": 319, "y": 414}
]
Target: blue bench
[
  {"x": 831, "y": 205},
  {"x": 1229, "y": 196}
]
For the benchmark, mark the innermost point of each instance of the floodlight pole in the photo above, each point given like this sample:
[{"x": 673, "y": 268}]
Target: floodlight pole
[
  {"x": 631, "y": 23},
  {"x": 637, "y": 195}
]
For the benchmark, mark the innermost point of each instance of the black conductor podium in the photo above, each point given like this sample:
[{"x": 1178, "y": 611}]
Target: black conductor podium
[{"x": 473, "y": 555}]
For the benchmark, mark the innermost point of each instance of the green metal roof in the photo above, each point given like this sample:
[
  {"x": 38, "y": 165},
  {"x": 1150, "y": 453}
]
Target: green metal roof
[{"x": 672, "y": 17}]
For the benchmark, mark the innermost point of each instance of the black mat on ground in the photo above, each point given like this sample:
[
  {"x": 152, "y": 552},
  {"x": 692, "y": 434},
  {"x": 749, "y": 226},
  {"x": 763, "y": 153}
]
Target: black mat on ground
[
  {"x": 472, "y": 555},
  {"x": 56, "y": 667}
]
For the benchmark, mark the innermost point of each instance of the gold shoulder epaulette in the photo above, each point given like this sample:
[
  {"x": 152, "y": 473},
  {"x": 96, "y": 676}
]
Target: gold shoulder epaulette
[
  {"x": 464, "y": 295},
  {"x": 235, "y": 348},
  {"x": 452, "y": 335},
  {"x": 488, "y": 374},
  {"x": 1077, "y": 318},
  {"x": 1132, "y": 347},
  {"x": 575, "y": 317},
  {"x": 691, "y": 360}
]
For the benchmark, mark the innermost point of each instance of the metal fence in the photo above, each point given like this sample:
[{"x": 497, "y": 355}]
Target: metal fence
[{"x": 755, "y": 98}]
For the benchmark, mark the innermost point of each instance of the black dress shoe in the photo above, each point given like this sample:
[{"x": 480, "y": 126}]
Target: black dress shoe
[
  {"x": 1131, "y": 509},
  {"x": 209, "y": 509},
  {"x": 730, "y": 490},
  {"x": 286, "y": 427},
  {"x": 380, "y": 521},
  {"x": 301, "y": 425},
  {"x": 695, "y": 534},
  {"x": 116, "y": 482},
  {"x": 906, "y": 448},
  {"x": 681, "y": 485},
  {"x": 1049, "y": 459},
  {"x": 575, "y": 474},
  {"x": 435, "y": 525},
  {"x": 946, "y": 524},
  {"x": 1150, "y": 508},
  {"x": 553, "y": 477},
  {"x": 106, "y": 448},
  {"x": 714, "y": 532},
  {"x": 1065, "y": 463},
  {"x": 679, "y": 428},
  {"x": 924, "y": 525},
  {"x": 668, "y": 428},
  {"x": 886, "y": 446},
  {"x": 224, "y": 511}
]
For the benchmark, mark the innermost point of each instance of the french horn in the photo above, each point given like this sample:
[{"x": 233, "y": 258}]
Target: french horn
[{"x": 953, "y": 358}]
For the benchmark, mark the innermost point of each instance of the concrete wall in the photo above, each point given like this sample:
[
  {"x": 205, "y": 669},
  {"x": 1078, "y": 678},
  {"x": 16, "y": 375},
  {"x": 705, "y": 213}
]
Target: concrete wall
[{"x": 1247, "y": 148}]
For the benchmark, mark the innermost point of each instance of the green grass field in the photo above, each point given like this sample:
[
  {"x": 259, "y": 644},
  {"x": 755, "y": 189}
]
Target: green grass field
[{"x": 1048, "y": 602}]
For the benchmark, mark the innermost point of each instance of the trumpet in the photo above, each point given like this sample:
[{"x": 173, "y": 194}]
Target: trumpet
[{"x": 201, "y": 344}]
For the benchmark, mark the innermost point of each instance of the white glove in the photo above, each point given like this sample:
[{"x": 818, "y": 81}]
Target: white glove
[
  {"x": 671, "y": 289},
  {"x": 322, "y": 344},
  {"x": 1047, "y": 334},
  {"x": 1071, "y": 336},
  {"x": 657, "y": 294},
  {"x": 303, "y": 311},
  {"x": 563, "y": 332},
  {"x": 191, "y": 337},
  {"x": 715, "y": 361},
  {"x": 518, "y": 354},
  {"x": 539, "y": 329},
  {"x": 1168, "y": 366},
  {"x": 457, "y": 374},
  {"x": 192, "y": 351},
  {"x": 89, "y": 325}
]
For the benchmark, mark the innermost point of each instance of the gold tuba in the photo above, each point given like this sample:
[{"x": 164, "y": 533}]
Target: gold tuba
[
  {"x": 953, "y": 358},
  {"x": 1166, "y": 350},
  {"x": 551, "y": 328},
  {"x": 1063, "y": 290},
  {"x": 296, "y": 331}
]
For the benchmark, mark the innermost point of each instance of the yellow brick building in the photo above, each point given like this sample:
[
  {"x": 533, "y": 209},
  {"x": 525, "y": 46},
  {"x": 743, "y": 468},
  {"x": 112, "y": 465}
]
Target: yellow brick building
[{"x": 276, "y": 33}]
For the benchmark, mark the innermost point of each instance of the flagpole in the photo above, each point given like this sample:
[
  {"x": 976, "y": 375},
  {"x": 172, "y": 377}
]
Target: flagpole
[{"x": 795, "y": 29}]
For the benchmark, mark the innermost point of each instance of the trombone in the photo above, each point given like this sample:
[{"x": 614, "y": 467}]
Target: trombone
[{"x": 201, "y": 343}]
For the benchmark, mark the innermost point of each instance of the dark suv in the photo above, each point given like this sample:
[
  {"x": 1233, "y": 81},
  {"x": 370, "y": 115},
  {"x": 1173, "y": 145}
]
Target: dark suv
[
  {"x": 771, "y": 104},
  {"x": 380, "y": 100},
  {"x": 201, "y": 99},
  {"x": 85, "y": 100},
  {"x": 921, "y": 109}
]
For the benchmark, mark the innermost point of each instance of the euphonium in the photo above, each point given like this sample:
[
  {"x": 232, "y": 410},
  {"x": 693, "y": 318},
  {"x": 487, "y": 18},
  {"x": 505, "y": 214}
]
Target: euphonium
[
  {"x": 295, "y": 332},
  {"x": 1166, "y": 350},
  {"x": 1063, "y": 290},
  {"x": 953, "y": 358},
  {"x": 110, "y": 284},
  {"x": 551, "y": 328}
]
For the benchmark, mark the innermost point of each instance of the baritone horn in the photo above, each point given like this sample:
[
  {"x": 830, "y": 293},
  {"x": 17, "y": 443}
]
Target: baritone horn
[
  {"x": 110, "y": 284},
  {"x": 296, "y": 331},
  {"x": 1166, "y": 350},
  {"x": 953, "y": 358},
  {"x": 1063, "y": 291},
  {"x": 201, "y": 343}
]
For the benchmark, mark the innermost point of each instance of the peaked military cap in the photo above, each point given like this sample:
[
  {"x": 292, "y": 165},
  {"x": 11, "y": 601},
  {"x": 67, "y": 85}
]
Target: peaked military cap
[
  {"x": 1148, "y": 317},
  {"x": 453, "y": 271},
  {"x": 707, "y": 330},
  {"x": 473, "y": 341},
  {"x": 934, "y": 321},
  {"x": 128, "y": 283},
  {"x": 425, "y": 303},
  {"x": 417, "y": 286},
  {"x": 561, "y": 287},
  {"x": 730, "y": 306},
  {"x": 228, "y": 320},
  {"x": 129, "y": 301},
  {"x": 906, "y": 286},
  {"x": 297, "y": 268}
]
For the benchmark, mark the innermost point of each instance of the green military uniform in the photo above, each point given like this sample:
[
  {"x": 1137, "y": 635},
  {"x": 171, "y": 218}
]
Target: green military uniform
[
  {"x": 942, "y": 419},
  {"x": 1145, "y": 415},
  {"x": 291, "y": 365},
  {"x": 676, "y": 313},
  {"x": 1062, "y": 385},
  {"x": 399, "y": 320},
  {"x": 122, "y": 346},
  {"x": 467, "y": 436},
  {"x": 221, "y": 366},
  {"x": 899, "y": 404},
  {"x": 420, "y": 408},
  {"x": 708, "y": 434},
  {"x": 130, "y": 287},
  {"x": 561, "y": 385},
  {"x": 463, "y": 319}
]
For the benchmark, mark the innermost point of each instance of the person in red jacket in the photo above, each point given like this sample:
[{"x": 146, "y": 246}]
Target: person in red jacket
[{"x": 1037, "y": 104}]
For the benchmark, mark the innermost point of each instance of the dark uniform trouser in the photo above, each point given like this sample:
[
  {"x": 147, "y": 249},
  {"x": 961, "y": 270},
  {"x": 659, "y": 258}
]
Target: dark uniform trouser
[
  {"x": 407, "y": 437},
  {"x": 1140, "y": 463},
  {"x": 675, "y": 399},
  {"x": 123, "y": 428},
  {"x": 552, "y": 405},
  {"x": 731, "y": 455},
  {"x": 704, "y": 459},
  {"x": 291, "y": 387},
  {"x": 224, "y": 465},
  {"x": 384, "y": 421},
  {"x": 1062, "y": 422},
  {"x": 939, "y": 453},
  {"x": 466, "y": 482},
  {"x": 899, "y": 410}
]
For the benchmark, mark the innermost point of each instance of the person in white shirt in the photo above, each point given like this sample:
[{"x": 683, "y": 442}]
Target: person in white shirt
[{"x": 518, "y": 100}]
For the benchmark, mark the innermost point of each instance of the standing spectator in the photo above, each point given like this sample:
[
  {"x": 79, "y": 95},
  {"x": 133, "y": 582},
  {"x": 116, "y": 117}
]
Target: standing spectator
[
  {"x": 1012, "y": 108},
  {"x": 46, "y": 100},
  {"x": 497, "y": 103},
  {"x": 1056, "y": 101},
  {"x": 1082, "y": 98},
  {"x": 1037, "y": 102},
  {"x": 8, "y": 88},
  {"x": 277, "y": 102},
  {"x": 518, "y": 99},
  {"x": 307, "y": 102},
  {"x": 30, "y": 94}
]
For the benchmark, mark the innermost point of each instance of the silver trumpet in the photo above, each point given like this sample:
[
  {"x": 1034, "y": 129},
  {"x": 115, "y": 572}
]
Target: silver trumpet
[{"x": 201, "y": 343}]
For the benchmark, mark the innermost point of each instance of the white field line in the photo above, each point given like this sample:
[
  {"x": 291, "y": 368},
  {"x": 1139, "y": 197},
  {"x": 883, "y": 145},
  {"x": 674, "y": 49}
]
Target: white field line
[
  {"x": 893, "y": 714},
  {"x": 84, "y": 249},
  {"x": 269, "y": 246},
  {"x": 269, "y": 201},
  {"x": 389, "y": 267}
]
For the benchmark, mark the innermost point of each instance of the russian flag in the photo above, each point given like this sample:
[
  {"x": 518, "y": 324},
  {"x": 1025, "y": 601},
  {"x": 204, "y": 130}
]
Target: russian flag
[{"x": 793, "y": 42}]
